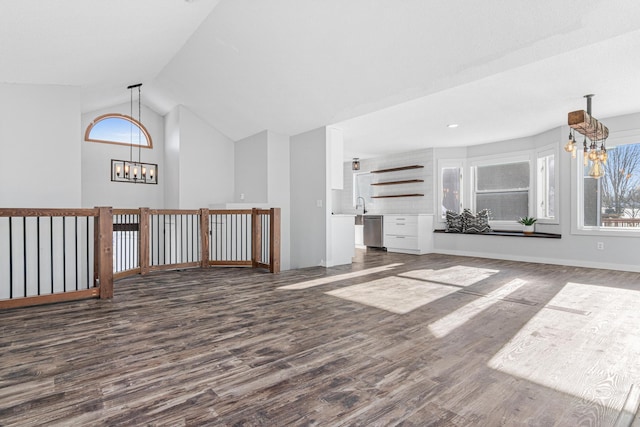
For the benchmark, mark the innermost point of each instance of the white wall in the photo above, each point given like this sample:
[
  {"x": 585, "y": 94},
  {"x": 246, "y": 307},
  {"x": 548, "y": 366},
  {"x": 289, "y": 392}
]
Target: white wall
[
  {"x": 279, "y": 195},
  {"x": 171, "y": 176},
  {"x": 250, "y": 172},
  {"x": 199, "y": 161},
  {"x": 308, "y": 190},
  {"x": 97, "y": 187},
  {"x": 206, "y": 163},
  {"x": 40, "y": 162}
]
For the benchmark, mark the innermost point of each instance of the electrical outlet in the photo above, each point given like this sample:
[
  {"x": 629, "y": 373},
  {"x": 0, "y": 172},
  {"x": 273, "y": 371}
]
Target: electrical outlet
[
  {"x": 600, "y": 246},
  {"x": 319, "y": 203},
  {"x": 241, "y": 196}
]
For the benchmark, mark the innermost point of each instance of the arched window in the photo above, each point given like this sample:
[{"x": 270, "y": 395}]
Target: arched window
[{"x": 114, "y": 128}]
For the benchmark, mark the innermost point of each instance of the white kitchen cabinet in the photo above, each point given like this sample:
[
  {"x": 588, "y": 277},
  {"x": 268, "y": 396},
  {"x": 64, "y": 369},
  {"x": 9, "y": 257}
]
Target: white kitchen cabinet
[
  {"x": 342, "y": 246},
  {"x": 359, "y": 237},
  {"x": 410, "y": 234}
]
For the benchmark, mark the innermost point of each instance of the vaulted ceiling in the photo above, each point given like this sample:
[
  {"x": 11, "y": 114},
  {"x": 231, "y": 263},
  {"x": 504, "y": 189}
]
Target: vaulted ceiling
[{"x": 392, "y": 74}]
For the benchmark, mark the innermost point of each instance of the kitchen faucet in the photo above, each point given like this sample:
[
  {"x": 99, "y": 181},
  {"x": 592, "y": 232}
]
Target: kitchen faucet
[{"x": 364, "y": 209}]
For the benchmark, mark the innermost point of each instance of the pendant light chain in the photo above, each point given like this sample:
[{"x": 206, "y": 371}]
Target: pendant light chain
[
  {"x": 131, "y": 125},
  {"x": 139, "y": 130}
]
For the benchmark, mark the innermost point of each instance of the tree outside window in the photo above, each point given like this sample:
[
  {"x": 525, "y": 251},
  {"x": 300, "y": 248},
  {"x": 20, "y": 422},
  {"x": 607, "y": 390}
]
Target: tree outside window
[
  {"x": 621, "y": 183},
  {"x": 614, "y": 199}
]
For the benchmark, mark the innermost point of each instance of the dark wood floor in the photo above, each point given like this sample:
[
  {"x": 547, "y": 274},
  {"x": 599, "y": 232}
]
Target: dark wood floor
[{"x": 391, "y": 340}]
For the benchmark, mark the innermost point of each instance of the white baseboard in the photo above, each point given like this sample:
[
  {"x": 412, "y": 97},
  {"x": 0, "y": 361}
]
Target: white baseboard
[{"x": 542, "y": 260}]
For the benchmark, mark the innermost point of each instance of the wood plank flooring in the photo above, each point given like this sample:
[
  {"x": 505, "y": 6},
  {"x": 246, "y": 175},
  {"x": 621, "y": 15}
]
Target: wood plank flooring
[{"x": 393, "y": 339}]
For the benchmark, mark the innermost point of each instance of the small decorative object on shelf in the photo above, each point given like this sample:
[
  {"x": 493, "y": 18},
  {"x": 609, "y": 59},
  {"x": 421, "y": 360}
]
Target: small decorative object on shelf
[{"x": 528, "y": 223}]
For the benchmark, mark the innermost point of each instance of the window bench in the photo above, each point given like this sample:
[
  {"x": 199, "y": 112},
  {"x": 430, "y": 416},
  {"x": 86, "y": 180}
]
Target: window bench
[{"x": 506, "y": 233}]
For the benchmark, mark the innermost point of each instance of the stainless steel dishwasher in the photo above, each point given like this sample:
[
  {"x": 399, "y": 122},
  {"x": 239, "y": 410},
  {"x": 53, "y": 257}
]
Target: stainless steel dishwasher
[{"x": 372, "y": 232}]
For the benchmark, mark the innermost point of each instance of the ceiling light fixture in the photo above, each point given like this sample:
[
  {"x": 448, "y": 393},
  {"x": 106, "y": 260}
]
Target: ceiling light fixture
[
  {"x": 130, "y": 170},
  {"x": 595, "y": 137},
  {"x": 452, "y": 126},
  {"x": 355, "y": 164}
]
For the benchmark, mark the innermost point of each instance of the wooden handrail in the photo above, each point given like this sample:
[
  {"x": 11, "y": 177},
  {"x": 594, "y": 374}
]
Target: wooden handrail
[
  {"x": 174, "y": 212},
  {"x": 256, "y": 239},
  {"x": 102, "y": 280},
  {"x": 274, "y": 241},
  {"x": 231, "y": 211},
  {"x": 101, "y": 284},
  {"x": 204, "y": 237},
  {"x": 11, "y": 212},
  {"x": 104, "y": 251},
  {"x": 143, "y": 239}
]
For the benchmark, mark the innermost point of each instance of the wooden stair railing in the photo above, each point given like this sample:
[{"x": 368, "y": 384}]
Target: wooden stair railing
[{"x": 264, "y": 240}]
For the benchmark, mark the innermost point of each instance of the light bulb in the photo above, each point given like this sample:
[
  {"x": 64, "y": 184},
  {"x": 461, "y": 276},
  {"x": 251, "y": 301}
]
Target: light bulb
[
  {"x": 151, "y": 172},
  {"x": 568, "y": 147},
  {"x": 144, "y": 171},
  {"x": 596, "y": 170},
  {"x": 126, "y": 170},
  {"x": 574, "y": 150},
  {"x": 118, "y": 170},
  {"x": 569, "y": 143},
  {"x": 135, "y": 172}
]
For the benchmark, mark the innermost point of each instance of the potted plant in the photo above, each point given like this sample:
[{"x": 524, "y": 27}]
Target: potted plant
[{"x": 528, "y": 222}]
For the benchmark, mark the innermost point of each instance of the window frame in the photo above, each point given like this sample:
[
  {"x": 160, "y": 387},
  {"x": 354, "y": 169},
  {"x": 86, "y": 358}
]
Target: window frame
[
  {"x": 123, "y": 117},
  {"x": 446, "y": 164},
  {"x": 543, "y": 152},
  {"x": 625, "y": 137},
  {"x": 515, "y": 157},
  {"x": 368, "y": 200}
]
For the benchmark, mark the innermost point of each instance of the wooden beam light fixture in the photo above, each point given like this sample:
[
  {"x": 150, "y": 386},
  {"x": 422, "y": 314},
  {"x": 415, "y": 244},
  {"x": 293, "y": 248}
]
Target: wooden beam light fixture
[{"x": 594, "y": 150}]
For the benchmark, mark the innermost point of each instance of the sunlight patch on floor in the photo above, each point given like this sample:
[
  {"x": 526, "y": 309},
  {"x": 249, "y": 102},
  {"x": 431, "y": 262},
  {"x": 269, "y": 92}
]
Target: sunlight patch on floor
[
  {"x": 398, "y": 295},
  {"x": 458, "y": 275},
  {"x": 585, "y": 341},
  {"x": 338, "y": 277},
  {"x": 452, "y": 321}
]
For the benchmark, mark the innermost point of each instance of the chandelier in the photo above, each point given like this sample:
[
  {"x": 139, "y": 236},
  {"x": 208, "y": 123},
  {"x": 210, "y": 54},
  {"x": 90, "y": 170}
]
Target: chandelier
[
  {"x": 595, "y": 134},
  {"x": 132, "y": 170}
]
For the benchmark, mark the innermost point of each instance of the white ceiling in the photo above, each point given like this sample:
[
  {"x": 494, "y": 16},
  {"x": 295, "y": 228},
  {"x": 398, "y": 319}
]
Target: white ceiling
[
  {"x": 101, "y": 46},
  {"x": 391, "y": 74}
]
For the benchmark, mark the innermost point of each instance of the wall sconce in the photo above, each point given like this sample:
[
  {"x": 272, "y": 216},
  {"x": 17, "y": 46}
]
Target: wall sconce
[
  {"x": 355, "y": 164},
  {"x": 135, "y": 172}
]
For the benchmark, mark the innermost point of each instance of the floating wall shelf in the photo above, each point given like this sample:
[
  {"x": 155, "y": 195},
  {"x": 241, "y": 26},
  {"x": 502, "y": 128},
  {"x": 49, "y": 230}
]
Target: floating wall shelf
[
  {"x": 400, "y": 181},
  {"x": 402, "y": 168},
  {"x": 406, "y": 181},
  {"x": 397, "y": 195}
]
